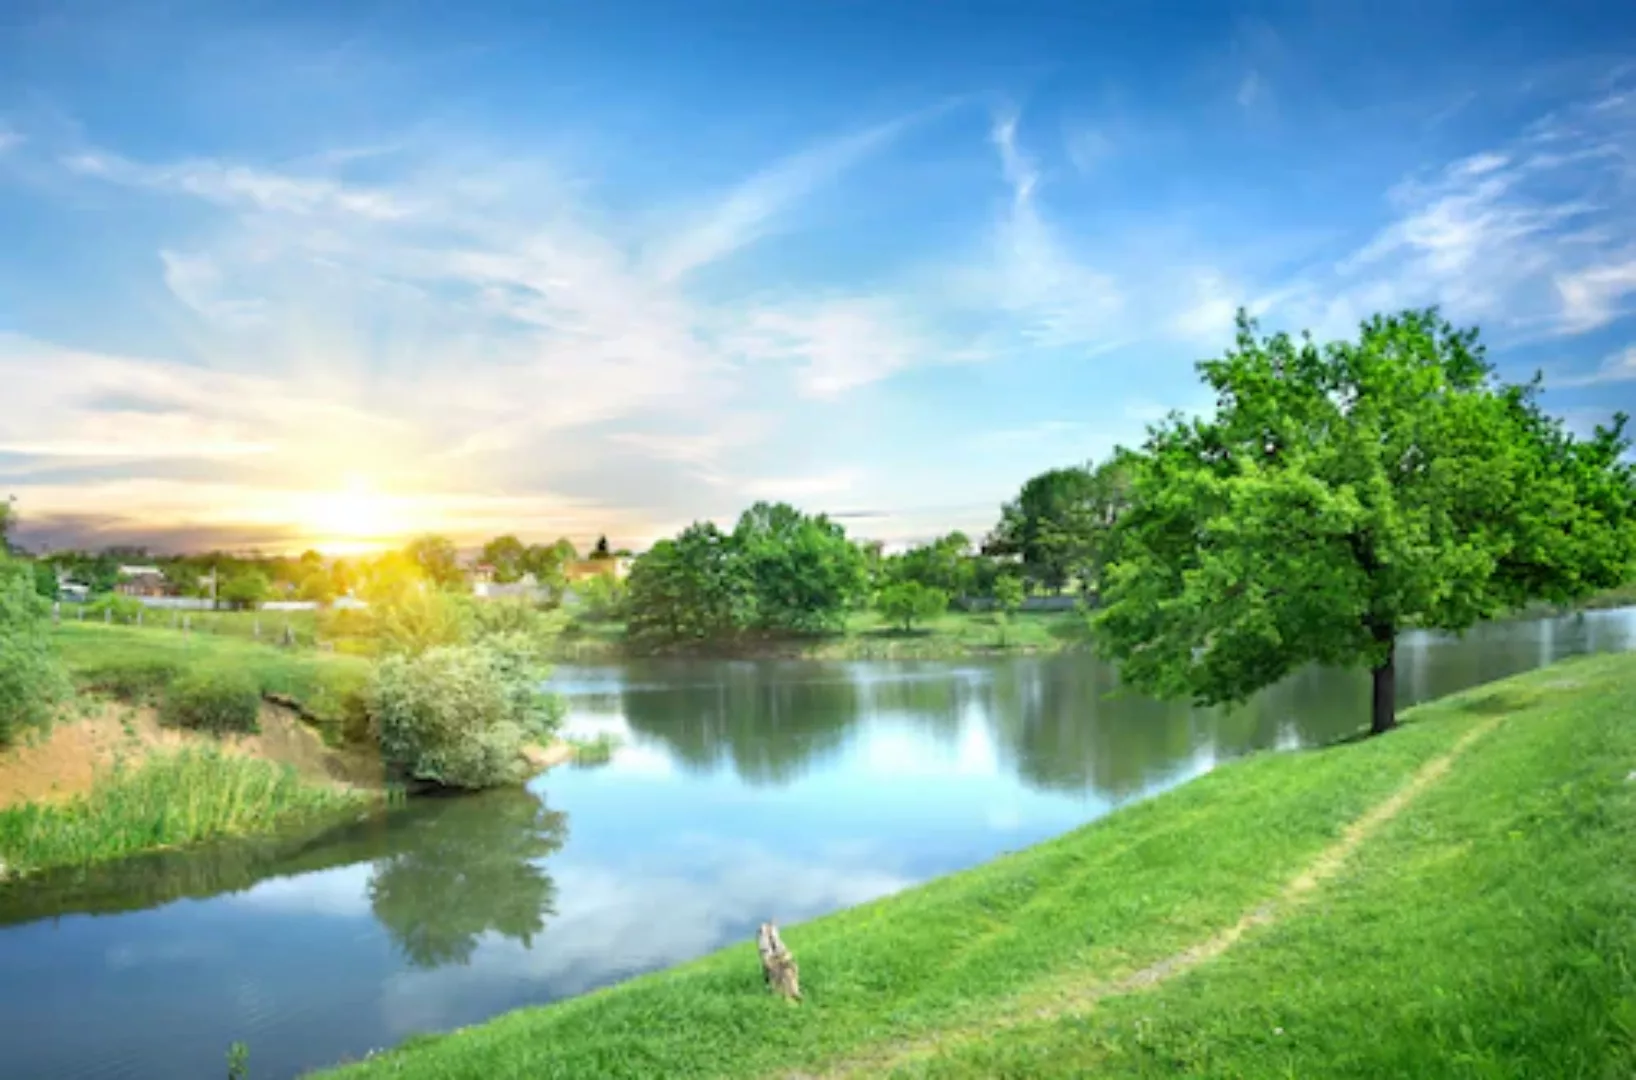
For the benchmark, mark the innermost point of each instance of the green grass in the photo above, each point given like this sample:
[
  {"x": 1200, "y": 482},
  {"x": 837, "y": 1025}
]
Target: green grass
[
  {"x": 1488, "y": 930},
  {"x": 595, "y": 751},
  {"x": 138, "y": 663},
  {"x": 866, "y": 637},
  {"x": 170, "y": 800}
]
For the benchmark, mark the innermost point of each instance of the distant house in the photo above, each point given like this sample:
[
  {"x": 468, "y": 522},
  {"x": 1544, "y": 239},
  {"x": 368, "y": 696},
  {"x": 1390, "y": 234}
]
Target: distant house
[
  {"x": 480, "y": 574},
  {"x": 142, "y": 581},
  {"x": 617, "y": 568},
  {"x": 72, "y": 592}
]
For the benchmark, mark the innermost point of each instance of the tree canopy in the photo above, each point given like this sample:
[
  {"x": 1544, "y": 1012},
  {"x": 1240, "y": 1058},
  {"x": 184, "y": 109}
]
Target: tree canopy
[
  {"x": 31, "y": 680},
  {"x": 1062, "y": 520},
  {"x": 1346, "y": 492},
  {"x": 779, "y": 570}
]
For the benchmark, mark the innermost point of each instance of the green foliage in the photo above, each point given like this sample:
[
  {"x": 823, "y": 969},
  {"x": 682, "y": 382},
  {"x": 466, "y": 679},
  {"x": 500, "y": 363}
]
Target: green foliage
[
  {"x": 906, "y": 602},
  {"x": 221, "y": 701},
  {"x": 1345, "y": 492},
  {"x": 318, "y": 586},
  {"x": 32, "y": 683},
  {"x": 694, "y": 587},
  {"x": 946, "y": 564},
  {"x": 420, "y": 619},
  {"x": 137, "y": 665},
  {"x": 1491, "y": 920},
  {"x": 602, "y": 597},
  {"x": 804, "y": 571},
  {"x": 1009, "y": 594},
  {"x": 508, "y": 555},
  {"x": 460, "y": 715},
  {"x": 779, "y": 571},
  {"x": 238, "y": 1062},
  {"x": 114, "y": 607},
  {"x": 170, "y": 800},
  {"x": 437, "y": 560},
  {"x": 1062, "y": 522},
  {"x": 246, "y": 589},
  {"x": 45, "y": 581}
]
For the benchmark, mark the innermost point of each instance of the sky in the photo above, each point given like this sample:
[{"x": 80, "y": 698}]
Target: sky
[{"x": 284, "y": 274}]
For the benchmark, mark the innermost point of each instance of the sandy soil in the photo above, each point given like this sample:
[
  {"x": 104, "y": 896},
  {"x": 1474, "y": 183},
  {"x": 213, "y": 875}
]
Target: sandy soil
[{"x": 54, "y": 766}]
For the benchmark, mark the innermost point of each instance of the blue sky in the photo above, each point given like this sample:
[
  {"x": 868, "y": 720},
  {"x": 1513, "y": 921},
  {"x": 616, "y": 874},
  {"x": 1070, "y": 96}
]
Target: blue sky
[{"x": 326, "y": 271}]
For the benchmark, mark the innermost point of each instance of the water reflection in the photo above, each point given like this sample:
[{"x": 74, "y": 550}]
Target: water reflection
[
  {"x": 463, "y": 867},
  {"x": 442, "y": 873},
  {"x": 742, "y": 792}
]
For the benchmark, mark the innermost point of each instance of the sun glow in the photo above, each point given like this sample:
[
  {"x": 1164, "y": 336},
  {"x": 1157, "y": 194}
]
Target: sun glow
[{"x": 356, "y": 518}]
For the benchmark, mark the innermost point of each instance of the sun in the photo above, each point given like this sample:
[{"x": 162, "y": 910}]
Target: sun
[{"x": 355, "y": 518}]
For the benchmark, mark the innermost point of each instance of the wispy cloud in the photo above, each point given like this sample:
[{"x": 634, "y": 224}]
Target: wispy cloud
[
  {"x": 242, "y": 185},
  {"x": 1055, "y": 296},
  {"x": 750, "y": 210},
  {"x": 1250, "y": 90},
  {"x": 1529, "y": 236},
  {"x": 1620, "y": 367}
]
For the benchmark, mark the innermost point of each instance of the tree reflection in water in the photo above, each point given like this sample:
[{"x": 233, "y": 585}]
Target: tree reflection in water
[
  {"x": 465, "y": 866},
  {"x": 444, "y": 871}
]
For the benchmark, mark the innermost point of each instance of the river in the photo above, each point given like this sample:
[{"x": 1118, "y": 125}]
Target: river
[{"x": 744, "y": 791}]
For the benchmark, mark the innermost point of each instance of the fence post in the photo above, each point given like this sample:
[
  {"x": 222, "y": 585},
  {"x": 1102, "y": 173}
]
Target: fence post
[
  {"x": 289, "y": 636},
  {"x": 107, "y": 615},
  {"x": 139, "y": 616},
  {"x": 256, "y": 628},
  {"x": 187, "y": 624},
  {"x": 56, "y": 612}
]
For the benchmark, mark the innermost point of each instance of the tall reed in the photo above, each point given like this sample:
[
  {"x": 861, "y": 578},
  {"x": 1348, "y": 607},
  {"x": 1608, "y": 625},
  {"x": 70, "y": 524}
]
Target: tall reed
[{"x": 170, "y": 800}]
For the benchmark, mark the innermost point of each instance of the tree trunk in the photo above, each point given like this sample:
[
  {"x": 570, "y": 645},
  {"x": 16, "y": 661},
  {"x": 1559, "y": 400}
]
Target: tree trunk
[
  {"x": 1383, "y": 717},
  {"x": 777, "y": 965}
]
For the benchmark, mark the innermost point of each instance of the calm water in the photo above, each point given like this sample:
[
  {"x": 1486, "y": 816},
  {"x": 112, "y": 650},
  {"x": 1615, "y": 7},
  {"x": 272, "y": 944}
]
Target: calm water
[{"x": 745, "y": 792}]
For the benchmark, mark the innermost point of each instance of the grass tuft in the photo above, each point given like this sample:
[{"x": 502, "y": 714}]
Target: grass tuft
[{"x": 171, "y": 800}]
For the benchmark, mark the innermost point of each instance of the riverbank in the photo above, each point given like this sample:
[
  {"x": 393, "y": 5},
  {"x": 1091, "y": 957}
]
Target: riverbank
[
  {"x": 1452, "y": 895},
  {"x": 115, "y": 775},
  {"x": 949, "y": 636}
]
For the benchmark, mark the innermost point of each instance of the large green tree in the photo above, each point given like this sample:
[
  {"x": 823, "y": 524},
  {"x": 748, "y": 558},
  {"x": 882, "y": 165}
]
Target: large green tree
[
  {"x": 696, "y": 586},
  {"x": 1062, "y": 520},
  {"x": 509, "y": 557},
  {"x": 1344, "y": 493},
  {"x": 437, "y": 559},
  {"x": 806, "y": 573}
]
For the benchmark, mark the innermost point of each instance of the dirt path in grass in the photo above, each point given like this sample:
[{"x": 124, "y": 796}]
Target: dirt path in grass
[{"x": 1079, "y": 994}]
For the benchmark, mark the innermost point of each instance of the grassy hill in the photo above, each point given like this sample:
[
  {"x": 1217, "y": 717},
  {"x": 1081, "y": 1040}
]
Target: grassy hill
[{"x": 1457, "y": 898}]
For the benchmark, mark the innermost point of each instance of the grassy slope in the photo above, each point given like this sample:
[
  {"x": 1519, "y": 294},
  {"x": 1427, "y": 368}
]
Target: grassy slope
[
  {"x": 170, "y": 800},
  {"x": 135, "y": 662},
  {"x": 1490, "y": 924}
]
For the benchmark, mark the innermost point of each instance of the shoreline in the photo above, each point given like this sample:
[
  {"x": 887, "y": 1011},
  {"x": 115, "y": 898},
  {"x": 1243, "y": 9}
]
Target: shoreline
[{"x": 1105, "y": 917}]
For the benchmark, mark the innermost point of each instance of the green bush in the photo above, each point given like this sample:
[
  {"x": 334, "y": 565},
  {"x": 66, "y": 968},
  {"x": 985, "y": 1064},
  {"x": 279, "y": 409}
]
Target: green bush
[
  {"x": 220, "y": 702},
  {"x": 908, "y": 602},
  {"x": 460, "y": 715},
  {"x": 121, "y": 609},
  {"x": 32, "y": 683}
]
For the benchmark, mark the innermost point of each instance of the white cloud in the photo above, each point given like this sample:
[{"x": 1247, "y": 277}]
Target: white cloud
[
  {"x": 1250, "y": 90},
  {"x": 1529, "y": 237},
  {"x": 1088, "y": 148},
  {"x": 235, "y": 184},
  {"x": 1620, "y": 367},
  {"x": 196, "y": 281},
  {"x": 745, "y": 215},
  {"x": 1594, "y": 296},
  {"x": 839, "y": 344},
  {"x": 9, "y": 139},
  {"x": 1056, "y": 298}
]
